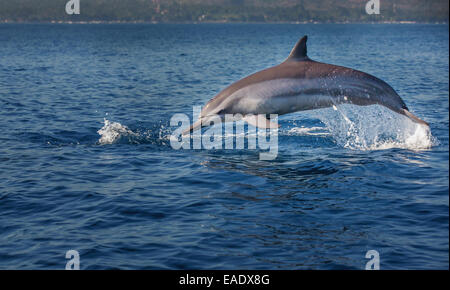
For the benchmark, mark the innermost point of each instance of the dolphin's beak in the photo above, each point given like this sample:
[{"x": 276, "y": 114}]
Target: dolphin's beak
[{"x": 192, "y": 128}]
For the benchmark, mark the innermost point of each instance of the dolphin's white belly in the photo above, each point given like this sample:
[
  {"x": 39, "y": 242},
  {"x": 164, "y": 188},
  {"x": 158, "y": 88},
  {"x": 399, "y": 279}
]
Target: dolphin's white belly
[{"x": 280, "y": 96}]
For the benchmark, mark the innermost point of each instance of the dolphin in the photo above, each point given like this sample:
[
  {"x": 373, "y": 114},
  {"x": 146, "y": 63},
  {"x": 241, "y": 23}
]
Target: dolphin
[{"x": 299, "y": 84}]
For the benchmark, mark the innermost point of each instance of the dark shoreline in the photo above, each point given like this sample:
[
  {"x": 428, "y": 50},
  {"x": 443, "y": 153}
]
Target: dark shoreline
[{"x": 212, "y": 22}]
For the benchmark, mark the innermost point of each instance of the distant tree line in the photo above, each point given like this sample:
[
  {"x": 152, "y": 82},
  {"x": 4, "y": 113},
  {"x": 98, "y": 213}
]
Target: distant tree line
[{"x": 225, "y": 11}]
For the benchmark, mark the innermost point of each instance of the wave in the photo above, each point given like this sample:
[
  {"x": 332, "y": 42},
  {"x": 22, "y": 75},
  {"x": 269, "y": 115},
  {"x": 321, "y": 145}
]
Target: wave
[{"x": 306, "y": 131}]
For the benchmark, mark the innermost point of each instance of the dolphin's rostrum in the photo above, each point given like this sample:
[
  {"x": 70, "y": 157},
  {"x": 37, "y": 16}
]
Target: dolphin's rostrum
[{"x": 299, "y": 84}]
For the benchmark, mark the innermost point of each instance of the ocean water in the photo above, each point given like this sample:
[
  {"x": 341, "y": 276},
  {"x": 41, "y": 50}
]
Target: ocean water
[{"x": 86, "y": 162}]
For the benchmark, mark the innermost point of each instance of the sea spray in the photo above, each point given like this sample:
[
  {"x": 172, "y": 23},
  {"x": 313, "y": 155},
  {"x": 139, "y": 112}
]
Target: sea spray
[
  {"x": 112, "y": 131},
  {"x": 374, "y": 128}
]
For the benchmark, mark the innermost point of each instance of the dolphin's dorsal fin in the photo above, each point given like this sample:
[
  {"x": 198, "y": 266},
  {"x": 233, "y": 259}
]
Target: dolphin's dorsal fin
[{"x": 299, "y": 51}]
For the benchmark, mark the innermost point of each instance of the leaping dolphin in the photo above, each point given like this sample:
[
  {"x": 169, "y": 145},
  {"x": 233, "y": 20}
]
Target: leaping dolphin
[{"x": 299, "y": 84}]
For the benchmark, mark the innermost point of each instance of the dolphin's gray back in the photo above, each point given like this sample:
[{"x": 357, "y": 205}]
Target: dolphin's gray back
[{"x": 306, "y": 77}]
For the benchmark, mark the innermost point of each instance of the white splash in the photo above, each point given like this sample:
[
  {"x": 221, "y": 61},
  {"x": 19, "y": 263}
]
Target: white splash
[
  {"x": 374, "y": 128},
  {"x": 112, "y": 131},
  {"x": 417, "y": 139}
]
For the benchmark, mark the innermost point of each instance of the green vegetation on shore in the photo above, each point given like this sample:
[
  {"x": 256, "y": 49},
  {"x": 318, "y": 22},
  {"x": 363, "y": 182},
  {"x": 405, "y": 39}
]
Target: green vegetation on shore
[{"x": 225, "y": 11}]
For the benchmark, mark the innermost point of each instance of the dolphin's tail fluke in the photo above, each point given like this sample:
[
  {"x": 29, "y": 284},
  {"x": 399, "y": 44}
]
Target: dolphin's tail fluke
[{"x": 413, "y": 118}]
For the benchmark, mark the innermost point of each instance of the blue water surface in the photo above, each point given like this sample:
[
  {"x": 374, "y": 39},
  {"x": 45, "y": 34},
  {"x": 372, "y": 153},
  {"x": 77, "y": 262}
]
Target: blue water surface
[{"x": 137, "y": 203}]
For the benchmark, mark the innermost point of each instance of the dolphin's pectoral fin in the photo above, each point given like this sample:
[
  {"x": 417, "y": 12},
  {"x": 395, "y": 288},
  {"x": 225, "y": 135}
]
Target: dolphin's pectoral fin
[{"x": 260, "y": 121}]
